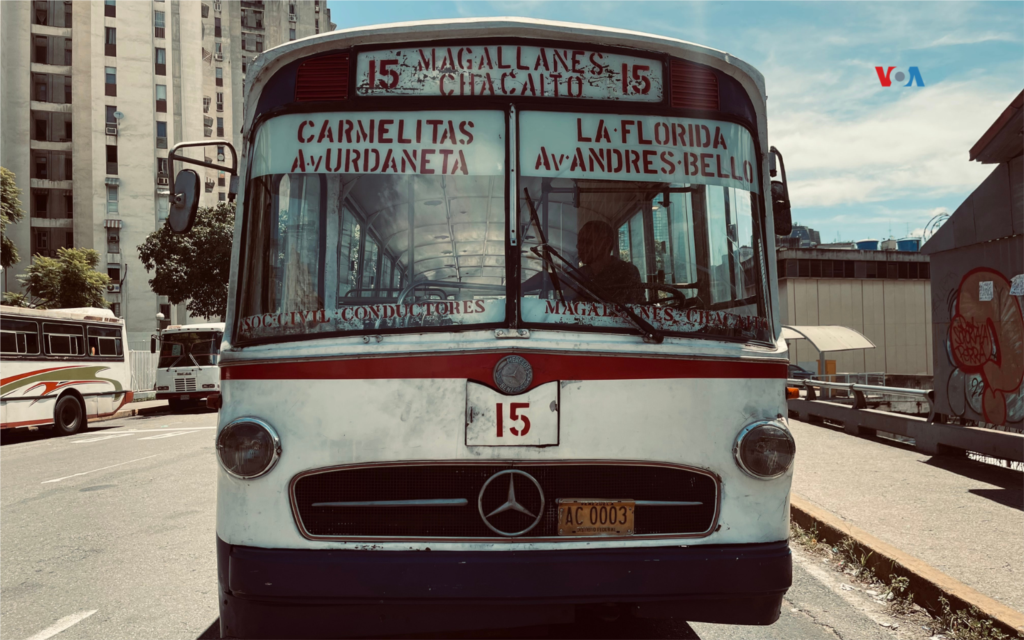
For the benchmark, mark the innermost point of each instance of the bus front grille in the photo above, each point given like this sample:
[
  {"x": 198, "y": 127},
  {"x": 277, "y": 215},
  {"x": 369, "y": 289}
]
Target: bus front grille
[
  {"x": 184, "y": 385},
  {"x": 452, "y": 482}
]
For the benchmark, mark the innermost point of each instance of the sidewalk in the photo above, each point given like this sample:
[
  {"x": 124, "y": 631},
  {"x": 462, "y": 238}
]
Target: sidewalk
[{"x": 962, "y": 518}]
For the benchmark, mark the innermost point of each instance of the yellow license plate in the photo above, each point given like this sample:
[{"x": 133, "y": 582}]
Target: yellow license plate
[{"x": 577, "y": 517}]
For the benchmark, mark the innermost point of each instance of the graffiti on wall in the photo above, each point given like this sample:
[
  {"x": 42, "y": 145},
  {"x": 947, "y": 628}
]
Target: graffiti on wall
[{"x": 985, "y": 345}]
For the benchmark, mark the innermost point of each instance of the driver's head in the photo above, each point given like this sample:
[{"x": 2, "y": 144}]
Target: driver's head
[{"x": 596, "y": 241}]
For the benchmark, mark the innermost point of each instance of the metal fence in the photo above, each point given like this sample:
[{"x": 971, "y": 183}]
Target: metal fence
[{"x": 143, "y": 365}]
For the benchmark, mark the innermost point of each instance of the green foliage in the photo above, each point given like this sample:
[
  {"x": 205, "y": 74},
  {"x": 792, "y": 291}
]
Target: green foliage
[
  {"x": 194, "y": 266},
  {"x": 70, "y": 280},
  {"x": 10, "y": 213},
  {"x": 968, "y": 625},
  {"x": 12, "y": 299}
]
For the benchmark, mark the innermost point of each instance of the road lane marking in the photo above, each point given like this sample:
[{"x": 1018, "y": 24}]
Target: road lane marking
[
  {"x": 169, "y": 435},
  {"x": 101, "y": 469},
  {"x": 62, "y": 624},
  {"x": 99, "y": 439}
]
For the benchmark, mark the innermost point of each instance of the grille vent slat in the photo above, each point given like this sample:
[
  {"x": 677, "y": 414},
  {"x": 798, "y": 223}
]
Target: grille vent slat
[
  {"x": 693, "y": 86},
  {"x": 323, "y": 78},
  {"x": 441, "y": 481},
  {"x": 183, "y": 385}
]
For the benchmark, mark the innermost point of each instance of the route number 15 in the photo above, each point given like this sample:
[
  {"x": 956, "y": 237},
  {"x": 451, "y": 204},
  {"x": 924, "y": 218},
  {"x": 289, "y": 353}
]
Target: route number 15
[{"x": 513, "y": 410}]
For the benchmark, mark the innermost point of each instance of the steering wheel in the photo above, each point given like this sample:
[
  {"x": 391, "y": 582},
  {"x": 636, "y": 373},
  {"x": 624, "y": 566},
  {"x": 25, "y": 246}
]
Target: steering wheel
[{"x": 678, "y": 299}]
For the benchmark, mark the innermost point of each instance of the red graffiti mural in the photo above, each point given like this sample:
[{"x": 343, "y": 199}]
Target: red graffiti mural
[{"x": 986, "y": 337}]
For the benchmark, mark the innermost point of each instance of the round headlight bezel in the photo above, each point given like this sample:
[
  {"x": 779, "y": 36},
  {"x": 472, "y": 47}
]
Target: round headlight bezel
[
  {"x": 737, "y": 448},
  {"x": 266, "y": 427}
]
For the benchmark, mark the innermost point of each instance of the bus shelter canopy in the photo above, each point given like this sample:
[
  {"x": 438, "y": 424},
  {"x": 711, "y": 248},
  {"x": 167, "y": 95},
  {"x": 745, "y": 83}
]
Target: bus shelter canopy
[{"x": 828, "y": 338}]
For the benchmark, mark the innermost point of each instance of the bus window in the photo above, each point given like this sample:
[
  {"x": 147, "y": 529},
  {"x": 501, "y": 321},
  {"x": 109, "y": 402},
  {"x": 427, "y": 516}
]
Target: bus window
[
  {"x": 19, "y": 337},
  {"x": 189, "y": 349},
  {"x": 63, "y": 339},
  {"x": 627, "y": 222},
  {"x": 104, "y": 341},
  {"x": 348, "y": 253},
  {"x": 369, "y": 268},
  {"x": 424, "y": 200}
]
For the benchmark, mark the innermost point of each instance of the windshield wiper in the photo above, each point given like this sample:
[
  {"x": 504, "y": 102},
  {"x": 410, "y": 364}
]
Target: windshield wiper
[{"x": 647, "y": 331}]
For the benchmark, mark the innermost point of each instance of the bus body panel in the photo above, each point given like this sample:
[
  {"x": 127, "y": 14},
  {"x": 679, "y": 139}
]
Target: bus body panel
[
  {"x": 324, "y": 423},
  {"x": 32, "y": 384}
]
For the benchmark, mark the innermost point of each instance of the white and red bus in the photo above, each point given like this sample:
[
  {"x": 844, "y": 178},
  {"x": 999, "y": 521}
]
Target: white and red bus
[
  {"x": 187, "y": 371},
  {"x": 61, "y": 367},
  {"x": 503, "y": 335}
]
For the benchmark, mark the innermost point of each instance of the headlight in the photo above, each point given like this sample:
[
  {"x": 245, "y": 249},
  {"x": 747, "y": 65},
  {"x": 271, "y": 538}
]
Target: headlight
[
  {"x": 764, "y": 450},
  {"x": 248, "y": 448}
]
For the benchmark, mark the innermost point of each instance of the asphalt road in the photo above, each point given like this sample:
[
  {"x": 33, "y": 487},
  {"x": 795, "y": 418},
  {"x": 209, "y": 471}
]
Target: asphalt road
[{"x": 109, "y": 534}]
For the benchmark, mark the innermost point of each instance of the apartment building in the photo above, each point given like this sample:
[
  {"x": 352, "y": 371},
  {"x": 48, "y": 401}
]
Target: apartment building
[{"x": 94, "y": 94}]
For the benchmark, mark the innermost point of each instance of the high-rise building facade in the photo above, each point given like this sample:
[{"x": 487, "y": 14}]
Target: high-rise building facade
[{"x": 94, "y": 94}]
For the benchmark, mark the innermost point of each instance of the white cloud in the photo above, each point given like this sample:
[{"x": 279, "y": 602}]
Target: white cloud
[{"x": 915, "y": 144}]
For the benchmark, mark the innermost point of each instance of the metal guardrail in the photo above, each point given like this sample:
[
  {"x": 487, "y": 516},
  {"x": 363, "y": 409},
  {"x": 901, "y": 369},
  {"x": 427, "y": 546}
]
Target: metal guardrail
[
  {"x": 859, "y": 391},
  {"x": 929, "y": 437}
]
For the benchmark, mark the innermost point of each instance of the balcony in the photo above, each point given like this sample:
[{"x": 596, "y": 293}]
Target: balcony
[
  {"x": 55, "y": 69},
  {"x": 58, "y": 107},
  {"x": 53, "y": 223},
  {"x": 45, "y": 145},
  {"x": 46, "y": 30},
  {"x": 36, "y": 183}
]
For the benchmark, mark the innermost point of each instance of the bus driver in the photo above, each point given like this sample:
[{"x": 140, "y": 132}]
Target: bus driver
[{"x": 614, "y": 279}]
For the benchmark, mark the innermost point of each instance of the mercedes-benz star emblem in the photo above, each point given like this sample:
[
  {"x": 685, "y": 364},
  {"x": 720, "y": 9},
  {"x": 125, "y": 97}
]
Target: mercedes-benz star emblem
[
  {"x": 511, "y": 503},
  {"x": 513, "y": 374}
]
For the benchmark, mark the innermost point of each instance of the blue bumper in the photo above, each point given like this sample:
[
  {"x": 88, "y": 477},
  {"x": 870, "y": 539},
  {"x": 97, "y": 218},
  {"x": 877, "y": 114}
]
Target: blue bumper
[{"x": 317, "y": 593}]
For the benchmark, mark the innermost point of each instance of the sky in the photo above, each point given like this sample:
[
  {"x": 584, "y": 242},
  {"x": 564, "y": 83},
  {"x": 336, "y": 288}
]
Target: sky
[{"x": 863, "y": 161}]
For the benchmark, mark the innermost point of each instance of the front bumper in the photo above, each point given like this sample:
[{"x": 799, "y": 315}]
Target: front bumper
[
  {"x": 192, "y": 395},
  {"x": 318, "y": 593}
]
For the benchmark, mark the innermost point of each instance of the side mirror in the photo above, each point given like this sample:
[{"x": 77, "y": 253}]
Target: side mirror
[
  {"x": 152, "y": 344},
  {"x": 781, "y": 214},
  {"x": 185, "y": 202},
  {"x": 781, "y": 209}
]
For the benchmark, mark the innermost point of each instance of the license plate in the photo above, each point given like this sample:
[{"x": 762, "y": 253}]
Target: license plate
[
  {"x": 185, "y": 397},
  {"x": 578, "y": 517}
]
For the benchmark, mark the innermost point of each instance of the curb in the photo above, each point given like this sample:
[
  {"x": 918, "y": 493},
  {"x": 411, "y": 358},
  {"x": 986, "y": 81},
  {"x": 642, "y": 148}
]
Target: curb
[
  {"x": 926, "y": 582},
  {"x": 127, "y": 413}
]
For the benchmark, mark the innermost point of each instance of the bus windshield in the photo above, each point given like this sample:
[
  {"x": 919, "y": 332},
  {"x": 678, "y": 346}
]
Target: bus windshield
[
  {"x": 390, "y": 221},
  {"x": 189, "y": 349}
]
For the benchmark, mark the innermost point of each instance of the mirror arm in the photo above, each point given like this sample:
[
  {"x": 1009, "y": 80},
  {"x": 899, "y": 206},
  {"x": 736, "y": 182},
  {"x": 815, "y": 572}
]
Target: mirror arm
[
  {"x": 782, "y": 167},
  {"x": 233, "y": 169}
]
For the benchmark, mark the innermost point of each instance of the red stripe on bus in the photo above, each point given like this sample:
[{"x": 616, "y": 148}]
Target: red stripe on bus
[
  {"x": 546, "y": 368},
  {"x": 26, "y": 423}
]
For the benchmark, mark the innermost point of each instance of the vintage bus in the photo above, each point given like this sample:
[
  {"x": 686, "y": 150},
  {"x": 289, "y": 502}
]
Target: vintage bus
[
  {"x": 61, "y": 367},
  {"x": 187, "y": 371},
  {"x": 503, "y": 335}
]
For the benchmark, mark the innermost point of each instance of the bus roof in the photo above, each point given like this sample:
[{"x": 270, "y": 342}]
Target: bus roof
[
  {"x": 81, "y": 313},
  {"x": 431, "y": 30},
  {"x": 199, "y": 326}
]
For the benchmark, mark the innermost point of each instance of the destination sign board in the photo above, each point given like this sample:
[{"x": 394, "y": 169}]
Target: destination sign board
[
  {"x": 636, "y": 147},
  {"x": 468, "y": 143},
  {"x": 509, "y": 70}
]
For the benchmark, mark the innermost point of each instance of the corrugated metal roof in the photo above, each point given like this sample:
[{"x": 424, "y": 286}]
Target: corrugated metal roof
[{"x": 828, "y": 338}]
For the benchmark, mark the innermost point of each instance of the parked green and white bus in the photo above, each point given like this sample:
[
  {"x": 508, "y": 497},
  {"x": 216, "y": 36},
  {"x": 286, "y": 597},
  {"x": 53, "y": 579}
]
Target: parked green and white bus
[{"x": 61, "y": 367}]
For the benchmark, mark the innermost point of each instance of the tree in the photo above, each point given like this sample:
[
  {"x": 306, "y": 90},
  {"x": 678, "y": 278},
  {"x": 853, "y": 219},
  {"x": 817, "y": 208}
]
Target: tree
[
  {"x": 67, "y": 281},
  {"x": 194, "y": 266},
  {"x": 10, "y": 213}
]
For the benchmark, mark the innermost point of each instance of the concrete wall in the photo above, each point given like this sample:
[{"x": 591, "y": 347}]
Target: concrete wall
[
  {"x": 978, "y": 330},
  {"x": 894, "y": 314}
]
